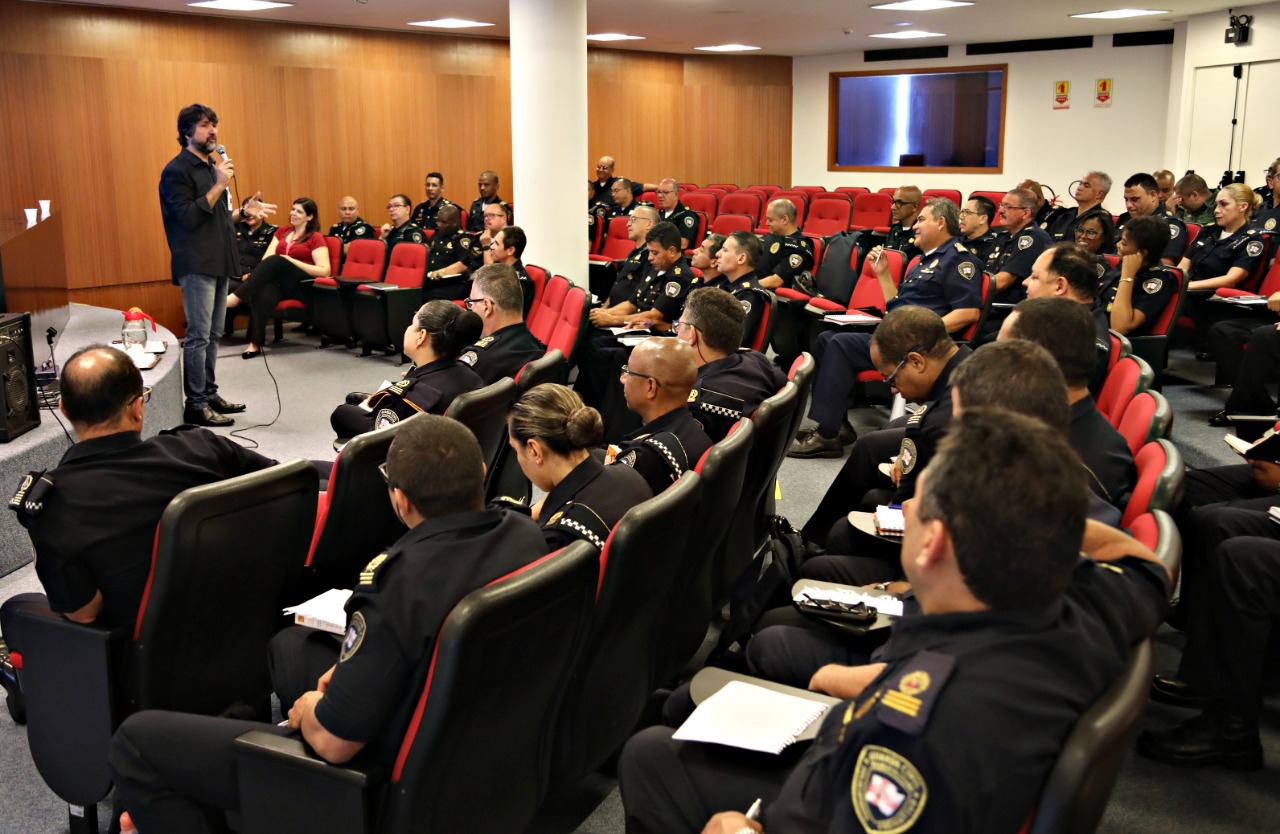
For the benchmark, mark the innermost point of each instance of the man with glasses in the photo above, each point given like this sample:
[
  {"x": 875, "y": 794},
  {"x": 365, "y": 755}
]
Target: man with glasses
[
  {"x": 630, "y": 268},
  {"x": 505, "y": 344},
  {"x": 401, "y": 229},
  {"x": 656, "y": 382},
  {"x": 92, "y": 520},
  {"x": 1267, "y": 217},
  {"x": 904, "y": 209},
  {"x": 495, "y": 219},
  {"x": 1010, "y": 260},
  {"x": 975, "y": 226},
  {"x": 1089, "y": 194},
  {"x": 624, "y": 201},
  {"x": 787, "y": 252},
  {"x": 674, "y": 212},
  {"x": 1142, "y": 199},
  {"x": 450, "y": 259},
  {"x": 424, "y": 214}
]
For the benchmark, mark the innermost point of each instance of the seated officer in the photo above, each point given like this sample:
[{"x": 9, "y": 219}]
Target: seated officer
[
  {"x": 450, "y": 259},
  {"x": 732, "y": 380},
  {"x": 975, "y": 226},
  {"x": 505, "y": 345},
  {"x": 949, "y": 733},
  {"x": 1136, "y": 292},
  {"x": 1067, "y": 270},
  {"x": 508, "y": 248},
  {"x": 92, "y": 520},
  {"x": 1090, "y": 191},
  {"x": 1192, "y": 200},
  {"x": 434, "y": 340},
  {"x": 740, "y": 252},
  {"x": 787, "y": 252},
  {"x": 630, "y": 269},
  {"x": 424, "y": 213},
  {"x": 1010, "y": 260},
  {"x": 674, "y": 212},
  {"x": 350, "y": 226},
  {"x": 1142, "y": 199},
  {"x": 947, "y": 280},
  {"x": 1247, "y": 351},
  {"x": 704, "y": 258},
  {"x": 905, "y": 207},
  {"x": 488, "y": 188},
  {"x": 495, "y": 220},
  {"x": 401, "y": 229},
  {"x": 656, "y": 383},
  {"x": 253, "y": 236},
  {"x": 176, "y": 772}
]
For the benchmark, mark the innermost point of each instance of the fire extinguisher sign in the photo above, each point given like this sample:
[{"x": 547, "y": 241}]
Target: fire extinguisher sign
[
  {"x": 1062, "y": 95},
  {"x": 1103, "y": 93}
]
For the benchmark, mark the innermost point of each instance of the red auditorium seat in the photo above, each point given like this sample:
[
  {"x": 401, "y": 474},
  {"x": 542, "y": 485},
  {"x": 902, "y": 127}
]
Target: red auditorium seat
[
  {"x": 1129, "y": 376},
  {"x": 1147, "y": 417},
  {"x": 706, "y": 203},
  {"x": 828, "y": 217},
  {"x": 380, "y": 312},
  {"x": 871, "y": 211},
  {"x": 742, "y": 202},
  {"x": 727, "y": 224},
  {"x": 945, "y": 193},
  {"x": 616, "y": 243}
]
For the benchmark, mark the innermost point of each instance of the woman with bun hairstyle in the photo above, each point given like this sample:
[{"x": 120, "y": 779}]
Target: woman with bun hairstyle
[
  {"x": 1222, "y": 255},
  {"x": 438, "y": 332},
  {"x": 552, "y": 434}
]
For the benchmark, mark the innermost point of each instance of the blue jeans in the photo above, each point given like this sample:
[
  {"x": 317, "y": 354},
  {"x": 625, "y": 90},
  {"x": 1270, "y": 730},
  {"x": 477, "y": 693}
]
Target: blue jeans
[{"x": 204, "y": 302}]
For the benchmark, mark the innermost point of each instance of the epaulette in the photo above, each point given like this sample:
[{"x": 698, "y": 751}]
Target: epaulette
[
  {"x": 29, "y": 499},
  {"x": 716, "y": 402},
  {"x": 508, "y": 502},
  {"x": 671, "y": 450},
  {"x": 906, "y": 699},
  {"x": 369, "y": 576},
  {"x": 581, "y": 522},
  {"x": 917, "y": 418}
]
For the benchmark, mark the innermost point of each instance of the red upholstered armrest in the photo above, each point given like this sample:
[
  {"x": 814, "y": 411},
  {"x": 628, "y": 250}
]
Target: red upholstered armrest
[
  {"x": 326, "y": 281},
  {"x": 827, "y": 305},
  {"x": 1233, "y": 292},
  {"x": 793, "y": 295}
]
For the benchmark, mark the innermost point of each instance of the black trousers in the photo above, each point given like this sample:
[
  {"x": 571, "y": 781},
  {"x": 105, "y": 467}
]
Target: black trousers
[
  {"x": 177, "y": 772},
  {"x": 272, "y": 280},
  {"x": 600, "y": 386},
  {"x": 1247, "y": 352},
  {"x": 1232, "y": 622},
  {"x": 857, "y": 477}
]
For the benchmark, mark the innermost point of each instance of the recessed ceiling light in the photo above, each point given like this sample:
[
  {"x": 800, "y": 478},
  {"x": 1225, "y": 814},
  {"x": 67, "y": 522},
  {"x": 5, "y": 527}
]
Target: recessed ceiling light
[
  {"x": 614, "y": 36},
  {"x": 910, "y": 35},
  {"x": 921, "y": 5},
  {"x": 903, "y": 23},
  {"x": 448, "y": 23},
  {"x": 1115, "y": 14},
  {"x": 727, "y": 47},
  {"x": 239, "y": 5}
]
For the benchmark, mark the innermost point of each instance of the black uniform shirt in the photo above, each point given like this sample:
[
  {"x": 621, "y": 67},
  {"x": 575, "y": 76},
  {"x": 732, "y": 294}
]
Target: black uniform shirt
[
  {"x": 960, "y": 730},
  {"x": 1104, "y": 451},
  {"x": 731, "y": 388},
  {"x": 1211, "y": 258},
  {"x": 424, "y": 214},
  {"x": 446, "y": 250},
  {"x": 502, "y": 353},
  {"x": 602, "y": 192},
  {"x": 948, "y": 278},
  {"x": 397, "y": 609},
  {"x": 1062, "y": 225},
  {"x": 475, "y": 214},
  {"x": 430, "y": 388},
  {"x": 1153, "y": 287},
  {"x": 589, "y": 501},
  {"x": 785, "y": 256},
  {"x": 721, "y": 282},
  {"x": 408, "y": 233},
  {"x": 629, "y": 271},
  {"x": 684, "y": 219},
  {"x": 664, "y": 291},
  {"x": 1177, "y": 233},
  {"x": 926, "y": 428},
  {"x": 902, "y": 238},
  {"x": 983, "y": 244},
  {"x": 357, "y": 229},
  {"x": 665, "y": 448},
  {"x": 201, "y": 238},
  {"x": 1015, "y": 254},
  {"x": 251, "y": 245},
  {"x": 1265, "y": 219},
  {"x": 95, "y": 527}
]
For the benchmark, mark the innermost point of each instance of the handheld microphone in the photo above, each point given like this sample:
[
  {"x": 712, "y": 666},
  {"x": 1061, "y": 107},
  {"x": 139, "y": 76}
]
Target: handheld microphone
[{"x": 222, "y": 152}]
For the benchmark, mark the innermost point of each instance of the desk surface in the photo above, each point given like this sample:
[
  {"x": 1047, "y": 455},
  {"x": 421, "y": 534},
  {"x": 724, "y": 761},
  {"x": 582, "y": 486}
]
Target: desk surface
[{"x": 709, "y": 680}]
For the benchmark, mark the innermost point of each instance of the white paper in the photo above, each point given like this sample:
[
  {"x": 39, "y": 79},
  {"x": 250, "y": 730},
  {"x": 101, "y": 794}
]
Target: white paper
[
  {"x": 851, "y": 318},
  {"x": 325, "y": 612},
  {"x": 750, "y": 717},
  {"x": 888, "y": 605}
]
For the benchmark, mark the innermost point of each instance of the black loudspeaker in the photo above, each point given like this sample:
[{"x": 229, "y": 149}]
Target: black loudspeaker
[{"x": 19, "y": 409}]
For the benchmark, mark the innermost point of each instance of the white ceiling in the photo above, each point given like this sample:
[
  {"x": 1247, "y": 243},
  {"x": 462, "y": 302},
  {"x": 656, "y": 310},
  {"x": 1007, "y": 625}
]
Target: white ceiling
[{"x": 779, "y": 27}]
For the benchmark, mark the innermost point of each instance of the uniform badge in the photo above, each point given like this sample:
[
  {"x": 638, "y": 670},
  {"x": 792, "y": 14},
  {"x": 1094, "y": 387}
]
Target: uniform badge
[
  {"x": 366, "y": 575},
  {"x": 672, "y": 289},
  {"x": 693, "y": 394},
  {"x": 554, "y": 518},
  {"x": 386, "y": 417},
  {"x": 1101, "y": 269},
  {"x": 360, "y": 230},
  {"x": 688, "y": 221},
  {"x": 629, "y": 459},
  {"x": 355, "y": 637},
  {"x": 746, "y": 306},
  {"x": 966, "y": 270},
  {"x": 1151, "y": 286},
  {"x": 1024, "y": 242},
  {"x": 795, "y": 261},
  {"x": 888, "y": 792},
  {"x": 468, "y": 358},
  {"x": 773, "y": 250},
  {"x": 1270, "y": 224},
  {"x": 907, "y": 455},
  {"x": 1173, "y": 231},
  {"x": 465, "y": 243},
  {"x": 1254, "y": 248}
]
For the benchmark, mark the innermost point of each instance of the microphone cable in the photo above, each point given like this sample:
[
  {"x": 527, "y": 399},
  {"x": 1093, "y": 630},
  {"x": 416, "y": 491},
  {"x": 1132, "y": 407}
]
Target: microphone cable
[{"x": 236, "y": 433}]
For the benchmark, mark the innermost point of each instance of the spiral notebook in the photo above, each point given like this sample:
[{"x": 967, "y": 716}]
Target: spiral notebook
[{"x": 750, "y": 717}]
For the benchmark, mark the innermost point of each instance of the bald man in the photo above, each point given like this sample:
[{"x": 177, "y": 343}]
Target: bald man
[
  {"x": 488, "y": 187},
  {"x": 904, "y": 208},
  {"x": 674, "y": 212},
  {"x": 350, "y": 226},
  {"x": 452, "y": 257},
  {"x": 602, "y": 185},
  {"x": 656, "y": 382}
]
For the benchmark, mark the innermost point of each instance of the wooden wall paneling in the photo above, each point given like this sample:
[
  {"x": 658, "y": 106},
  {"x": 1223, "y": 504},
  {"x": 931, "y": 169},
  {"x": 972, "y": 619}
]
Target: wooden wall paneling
[{"x": 160, "y": 299}]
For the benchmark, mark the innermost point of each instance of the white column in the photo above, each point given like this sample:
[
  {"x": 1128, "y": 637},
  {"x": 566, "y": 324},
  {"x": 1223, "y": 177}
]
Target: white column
[{"x": 549, "y": 132}]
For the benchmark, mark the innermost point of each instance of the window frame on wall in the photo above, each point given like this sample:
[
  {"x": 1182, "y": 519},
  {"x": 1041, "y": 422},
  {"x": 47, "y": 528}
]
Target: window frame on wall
[{"x": 833, "y": 120}]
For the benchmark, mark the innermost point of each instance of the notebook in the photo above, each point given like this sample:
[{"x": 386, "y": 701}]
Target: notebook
[
  {"x": 889, "y": 521},
  {"x": 750, "y": 717},
  {"x": 326, "y": 612},
  {"x": 850, "y": 318}
]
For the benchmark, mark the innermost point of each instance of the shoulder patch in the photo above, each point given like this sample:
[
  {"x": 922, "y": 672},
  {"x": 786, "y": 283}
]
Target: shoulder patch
[
  {"x": 629, "y": 459},
  {"x": 689, "y": 221},
  {"x": 908, "y": 697},
  {"x": 907, "y": 455},
  {"x": 1151, "y": 286},
  {"x": 795, "y": 261},
  {"x": 672, "y": 289},
  {"x": 1173, "y": 230},
  {"x": 1270, "y": 224},
  {"x": 888, "y": 792},
  {"x": 29, "y": 498},
  {"x": 360, "y": 230},
  {"x": 1024, "y": 242},
  {"x": 966, "y": 270},
  {"x": 1254, "y": 248},
  {"x": 773, "y": 250},
  {"x": 468, "y": 358},
  {"x": 355, "y": 637},
  {"x": 386, "y": 417},
  {"x": 465, "y": 242}
]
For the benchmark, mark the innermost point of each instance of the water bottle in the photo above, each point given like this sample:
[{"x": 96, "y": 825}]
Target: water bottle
[{"x": 134, "y": 331}]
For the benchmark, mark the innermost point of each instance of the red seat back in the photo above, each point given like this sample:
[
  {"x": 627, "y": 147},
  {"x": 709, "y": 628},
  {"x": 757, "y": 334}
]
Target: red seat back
[
  {"x": 1160, "y": 474},
  {"x": 649, "y": 197},
  {"x": 870, "y": 211},
  {"x": 888, "y": 192},
  {"x": 1121, "y": 385},
  {"x": 703, "y": 202},
  {"x": 365, "y": 259},
  {"x": 769, "y": 190},
  {"x": 744, "y": 202},
  {"x": 616, "y": 243},
  {"x": 811, "y": 190},
  {"x": 727, "y": 224},
  {"x": 993, "y": 196},
  {"x": 538, "y": 276},
  {"x": 828, "y": 217},
  {"x": 408, "y": 264},
  {"x": 728, "y": 187},
  {"x": 852, "y": 190},
  {"x": 867, "y": 292},
  {"x": 946, "y": 193},
  {"x": 1169, "y": 315},
  {"x": 543, "y": 317},
  {"x": 988, "y": 291},
  {"x": 1253, "y": 281},
  {"x": 800, "y": 199},
  {"x": 1146, "y": 418},
  {"x": 335, "y": 253},
  {"x": 571, "y": 323}
]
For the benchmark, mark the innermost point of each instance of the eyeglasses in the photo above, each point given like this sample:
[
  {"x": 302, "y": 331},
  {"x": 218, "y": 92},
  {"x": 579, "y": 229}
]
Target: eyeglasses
[
  {"x": 494, "y": 214},
  {"x": 382, "y": 470},
  {"x": 144, "y": 394},
  {"x": 633, "y": 219},
  {"x": 891, "y": 379},
  {"x": 1088, "y": 234},
  {"x": 391, "y": 206},
  {"x": 901, "y": 203},
  {"x": 678, "y": 323},
  {"x": 628, "y": 372},
  {"x": 1008, "y": 207},
  {"x": 602, "y": 167},
  {"x": 471, "y": 302},
  {"x": 660, "y": 192},
  {"x": 968, "y": 213}
]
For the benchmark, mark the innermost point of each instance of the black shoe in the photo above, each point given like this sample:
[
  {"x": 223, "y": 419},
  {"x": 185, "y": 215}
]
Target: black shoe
[
  {"x": 814, "y": 445},
  {"x": 1212, "y": 737},
  {"x": 205, "y": 417},
  {"x": 1221, "y": 420},
  {"x": 221, "y": 406},
  {"x": 847, "y": 435},
  {"x": 251, "y": 354},
  {"x": 1167, "y": 689},
  {"x": 14, "y": 700}
]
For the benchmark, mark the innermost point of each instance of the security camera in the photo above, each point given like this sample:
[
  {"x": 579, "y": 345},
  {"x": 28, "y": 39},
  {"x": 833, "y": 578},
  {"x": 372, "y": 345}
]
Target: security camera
[{"x": 1238, "y": 31}]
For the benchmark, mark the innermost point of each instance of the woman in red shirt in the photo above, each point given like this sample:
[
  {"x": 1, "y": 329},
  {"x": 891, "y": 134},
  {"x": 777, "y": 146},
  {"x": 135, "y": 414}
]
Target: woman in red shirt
[{"x": 296, "y": 252}]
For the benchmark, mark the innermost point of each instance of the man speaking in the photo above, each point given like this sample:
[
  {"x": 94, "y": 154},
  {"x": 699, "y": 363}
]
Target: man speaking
[{"x": 198, "y": 218}]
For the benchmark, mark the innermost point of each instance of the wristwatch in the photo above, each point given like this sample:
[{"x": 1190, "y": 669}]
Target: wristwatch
[{"x": 882, "y": 586}]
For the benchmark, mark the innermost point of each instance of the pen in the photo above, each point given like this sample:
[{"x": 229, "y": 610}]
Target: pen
[
  {"x": 753, "y": 813},
  {"x": 876, "y": 262}
]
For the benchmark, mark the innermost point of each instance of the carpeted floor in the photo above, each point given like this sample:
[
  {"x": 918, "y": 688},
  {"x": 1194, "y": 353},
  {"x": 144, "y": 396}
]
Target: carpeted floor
[{"x": 1149, "y": 798}]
